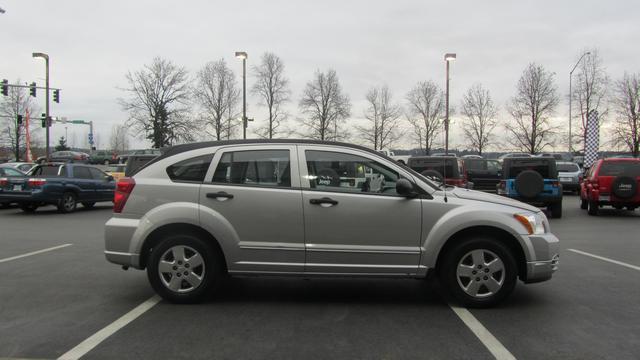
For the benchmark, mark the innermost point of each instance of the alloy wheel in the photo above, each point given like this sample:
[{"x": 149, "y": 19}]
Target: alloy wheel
[
  {"x": 181, "y": 269},
  {"x": 480, "y": 273}
]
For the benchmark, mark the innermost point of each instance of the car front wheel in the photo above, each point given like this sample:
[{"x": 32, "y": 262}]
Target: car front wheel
[
  {"x": 183, "y": 268},
  {"x": 68, "y": 203},
  {"x": 478, "y": 272}
]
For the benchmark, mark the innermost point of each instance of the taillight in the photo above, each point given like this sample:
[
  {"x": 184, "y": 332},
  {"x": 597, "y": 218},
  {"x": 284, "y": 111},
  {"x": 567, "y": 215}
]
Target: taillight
[
  {"x": 555, "y": 183},
  {"x": 124, "y": 187},
  {"x": 35, "y": 182},
  {"x": 4, "y": 181},
  {"x": 502, "y": 188}
]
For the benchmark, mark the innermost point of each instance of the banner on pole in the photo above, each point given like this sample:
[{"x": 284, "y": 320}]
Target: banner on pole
[{"x": 592, "y": 141}]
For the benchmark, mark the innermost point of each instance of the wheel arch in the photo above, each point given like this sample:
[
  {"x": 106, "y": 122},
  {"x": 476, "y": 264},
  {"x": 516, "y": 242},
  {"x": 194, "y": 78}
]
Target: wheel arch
[
  {"x": 160, "y": 232},
  {"x": 501, "y": 235}
]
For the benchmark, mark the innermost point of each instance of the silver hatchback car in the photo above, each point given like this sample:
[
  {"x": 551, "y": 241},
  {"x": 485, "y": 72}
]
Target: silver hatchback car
[{"x": 296, "y": 207}]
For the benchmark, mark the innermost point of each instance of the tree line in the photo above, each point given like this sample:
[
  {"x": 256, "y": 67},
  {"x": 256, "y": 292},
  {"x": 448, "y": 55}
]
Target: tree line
[{"x": 167, "y": 106}]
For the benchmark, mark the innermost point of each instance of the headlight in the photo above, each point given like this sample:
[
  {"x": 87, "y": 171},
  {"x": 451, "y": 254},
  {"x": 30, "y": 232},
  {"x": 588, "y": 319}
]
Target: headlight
[{"x": 533, "y": 223}]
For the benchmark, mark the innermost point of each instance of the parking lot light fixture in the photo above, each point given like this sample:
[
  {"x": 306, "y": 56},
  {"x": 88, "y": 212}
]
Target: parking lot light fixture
[
  {"x": 243, "y": 55},
  {"x": 447, "y": 58},
  {"x": 46, "y": 59}
]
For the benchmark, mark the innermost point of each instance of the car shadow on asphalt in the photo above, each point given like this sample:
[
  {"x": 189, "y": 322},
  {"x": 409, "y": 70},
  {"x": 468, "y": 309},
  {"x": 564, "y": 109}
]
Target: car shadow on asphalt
[{"x": 52, "y": 210}]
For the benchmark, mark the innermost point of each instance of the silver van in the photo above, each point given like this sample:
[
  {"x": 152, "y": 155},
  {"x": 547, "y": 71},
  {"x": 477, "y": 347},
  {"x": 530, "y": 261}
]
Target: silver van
[{"x": 308, "y": 208}]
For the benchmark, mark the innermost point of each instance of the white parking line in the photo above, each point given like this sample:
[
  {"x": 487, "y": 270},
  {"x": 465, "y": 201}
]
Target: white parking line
[
  {"x": 606, "y": 259},
  {"x": 488, "y": 340},
  {"x": 34, "y": 253},
  {"x": 95, "y": 339}
]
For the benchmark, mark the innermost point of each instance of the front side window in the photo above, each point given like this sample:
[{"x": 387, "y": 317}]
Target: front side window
[
  {"x": 333, "y": 171},
  {"x": 254, "y": 167},
  {"x": 193, "y": 169},
  {"x": 97, "y": 174},
  {"x": 81, "y": 172},
  {"x": 48, "y": 170}
]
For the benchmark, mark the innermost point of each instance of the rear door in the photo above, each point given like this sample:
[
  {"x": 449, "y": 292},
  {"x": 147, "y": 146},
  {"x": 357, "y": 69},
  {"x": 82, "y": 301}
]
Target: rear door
[
  {"x": 256, "y": 189},
  {"x": 84, "y": 182},
  {"x": 354, "y": 221}
]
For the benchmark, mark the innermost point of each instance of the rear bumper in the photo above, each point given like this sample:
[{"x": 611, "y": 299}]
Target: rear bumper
[
  {"x": 118, "y": 242},
  {"x": 26, "y": 197}
]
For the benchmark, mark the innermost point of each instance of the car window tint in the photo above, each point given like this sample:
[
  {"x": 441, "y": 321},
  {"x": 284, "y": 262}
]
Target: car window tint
[
  {"x": 254, "y": 167},
  {"x": 97, "y": 174},
  {"x": 191, "y": 169},
  {"x": 620, "y": 168},
  {"x": 494, "y": 165},
  {"x": 568, "y": 167},
  {"x": 333, "y": 171},
  {"x": 81, "y": 172},
  {"x": 475, "y": 164},
  {"x": 447, "y": 167},
  {"x": 542, "y": 167},
  {"x": 48, "y": 171},
  {"x": 10, "y": 172}
]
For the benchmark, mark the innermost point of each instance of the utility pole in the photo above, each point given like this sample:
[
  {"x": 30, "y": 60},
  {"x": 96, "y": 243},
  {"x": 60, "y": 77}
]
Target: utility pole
[
  {"x": 48, "y": 124},
  {"x": 571, "y": 96},
  {"x": 447, "y": 58},
  {"x": 243, "y": 55}
]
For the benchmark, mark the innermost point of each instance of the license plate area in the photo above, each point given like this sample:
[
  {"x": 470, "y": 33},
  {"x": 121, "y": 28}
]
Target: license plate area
[{"x": 17, "y": 187}]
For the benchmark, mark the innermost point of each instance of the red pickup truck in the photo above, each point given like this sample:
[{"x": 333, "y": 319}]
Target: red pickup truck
[{"x": 611, "y": 182}]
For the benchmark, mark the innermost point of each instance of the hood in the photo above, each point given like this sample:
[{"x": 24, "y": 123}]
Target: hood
[{"x": 492, "y": 198}]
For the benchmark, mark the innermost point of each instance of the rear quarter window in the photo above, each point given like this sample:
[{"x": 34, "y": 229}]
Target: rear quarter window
[{"x": 190, "y": 170}]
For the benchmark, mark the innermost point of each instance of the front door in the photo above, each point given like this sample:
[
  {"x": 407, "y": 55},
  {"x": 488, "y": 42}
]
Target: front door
[
  {"x": 256, "y": 189},
  {"x": 355, "y": 223}
]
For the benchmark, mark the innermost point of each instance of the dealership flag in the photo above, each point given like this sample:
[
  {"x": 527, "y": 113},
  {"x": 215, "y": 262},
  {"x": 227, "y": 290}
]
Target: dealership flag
[{"x": 592, "y": 140}]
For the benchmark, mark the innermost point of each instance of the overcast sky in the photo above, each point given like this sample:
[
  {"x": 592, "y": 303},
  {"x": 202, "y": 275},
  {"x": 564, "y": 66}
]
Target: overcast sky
[{"x": 92, "y": 44}]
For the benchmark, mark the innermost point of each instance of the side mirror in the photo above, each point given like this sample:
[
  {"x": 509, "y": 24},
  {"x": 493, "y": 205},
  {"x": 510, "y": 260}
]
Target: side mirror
[
  {"x": 109, "y": 178},
  {"x": 404, "y": 187}
]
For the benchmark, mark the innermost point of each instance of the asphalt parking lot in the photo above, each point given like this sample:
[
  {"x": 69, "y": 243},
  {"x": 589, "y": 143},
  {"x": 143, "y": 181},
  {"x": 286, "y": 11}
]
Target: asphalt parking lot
[{"x": 58, "y": 295}]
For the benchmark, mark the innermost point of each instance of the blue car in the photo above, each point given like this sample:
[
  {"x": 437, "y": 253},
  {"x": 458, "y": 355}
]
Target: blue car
[
  {"x": 533, "y": 181},
  {"x": 61, "y": 184}
]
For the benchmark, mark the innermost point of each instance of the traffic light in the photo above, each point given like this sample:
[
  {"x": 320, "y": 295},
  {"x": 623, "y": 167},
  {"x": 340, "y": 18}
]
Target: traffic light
[
  {"x": 32, "y": 89},
  {"x": 56, "y": 96},
  {"x": 44, "y": 120},
  {"x": 19, "y": 120},
  {"x": 5, "y": 87}
]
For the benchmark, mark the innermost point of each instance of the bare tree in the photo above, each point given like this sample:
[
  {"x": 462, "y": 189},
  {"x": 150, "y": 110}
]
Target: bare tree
[
  {"x": 18, "y": 102},
  {"x": 325, "y": 106},
  {"x": 158, "y": 103},
  {"x": 119, "y": 140},
  {"x": 382, "y": 116},
  {"x": 590, "y": 91},
  {"x": 272, "y": 87},
  {"x": 535, "y": 101},
  {"x": 480, "y": 117},
  {"x": 218, "y": 95},
  {"x": 426, "y": 113},
  {"x": 626, "y": 102}
]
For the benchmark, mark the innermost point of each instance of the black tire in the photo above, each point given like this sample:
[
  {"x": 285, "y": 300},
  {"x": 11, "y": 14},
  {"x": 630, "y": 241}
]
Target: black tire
[
  {"x": 529, "y": 184},
  {"x": 583, "y": 204},
  {"x": 447, "y": 272},
  {"x": 211, "y": 271},
  {"x": 556, "y": 210},
  {"x": 592, "y": 208},
  {"x": 68, "y": 203},
  {"x": 29, "y": 207},
  {"x": 89, "y": 204}
]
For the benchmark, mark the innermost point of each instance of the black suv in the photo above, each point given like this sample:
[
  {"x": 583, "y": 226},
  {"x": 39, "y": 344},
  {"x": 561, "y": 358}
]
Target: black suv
[
  {"x": 533, "y": 181},
  {"x": 484, "y": 174}
]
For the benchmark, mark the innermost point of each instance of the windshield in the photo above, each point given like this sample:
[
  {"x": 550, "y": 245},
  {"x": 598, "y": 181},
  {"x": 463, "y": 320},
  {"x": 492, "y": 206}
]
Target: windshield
[{"x": 567, "y": 167}]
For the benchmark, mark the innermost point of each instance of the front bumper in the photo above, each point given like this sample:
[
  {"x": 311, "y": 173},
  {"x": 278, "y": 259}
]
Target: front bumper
[{"x": 546, "y": 250}]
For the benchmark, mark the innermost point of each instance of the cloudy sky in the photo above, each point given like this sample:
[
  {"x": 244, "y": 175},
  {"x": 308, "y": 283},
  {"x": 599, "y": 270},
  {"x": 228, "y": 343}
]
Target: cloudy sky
[{"x": 92, "y": 44}]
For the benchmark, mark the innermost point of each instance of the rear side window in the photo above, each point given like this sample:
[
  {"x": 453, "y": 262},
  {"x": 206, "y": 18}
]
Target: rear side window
[
  {"x": 192, "y": 170},
  {"x": 81, "y": 172},
  {"x": 620, "y": 168},
  {"x": 255, "y": 167},
  {"x": 448, "y": 167},
  {"x": 49, "y": 171}
]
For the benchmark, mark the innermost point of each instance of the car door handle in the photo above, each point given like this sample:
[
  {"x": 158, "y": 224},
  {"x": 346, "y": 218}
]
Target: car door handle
[
  {"x": 220, "y": 194},
  {"x": 323, "y": 201}
]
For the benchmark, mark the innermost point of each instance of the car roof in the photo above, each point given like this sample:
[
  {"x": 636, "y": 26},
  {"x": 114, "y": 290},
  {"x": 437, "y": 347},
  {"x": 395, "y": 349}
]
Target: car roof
[{"x": 621, "y": 159}]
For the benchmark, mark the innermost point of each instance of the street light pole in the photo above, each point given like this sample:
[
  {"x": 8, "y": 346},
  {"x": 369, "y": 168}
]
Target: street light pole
[
  {"x": 571, "y": 96},
  {"x": 46, "y": 59},
  {"x": 243, "y": 55},
  {"x": 447, "y": 57}
]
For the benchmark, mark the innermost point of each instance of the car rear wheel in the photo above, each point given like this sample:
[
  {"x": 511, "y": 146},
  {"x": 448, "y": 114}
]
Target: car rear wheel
[
  {"x": 592, "y": 208},
  {"x": 583, "y": 204},
  {"x": 183, "y": 268},
  {"x": 556, "y": 210},
  {"x": 29, "y": 208},
  {"x": 68, "y": 203},
  {"x": 478, "y": 272}
]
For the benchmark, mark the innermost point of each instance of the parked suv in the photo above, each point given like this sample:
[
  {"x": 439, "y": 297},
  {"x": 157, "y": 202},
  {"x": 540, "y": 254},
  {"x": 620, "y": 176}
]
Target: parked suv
[
  {"x": 570, "y": 175},
  {"x": 533, "y": 181},
  {"x": 611, "y": 182},
  {"x": 310, "y": 208},
  {"x": 105, "y": 157},
  {"x": 449, "y": 168},
  {"x": 484, "y": 174}
]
